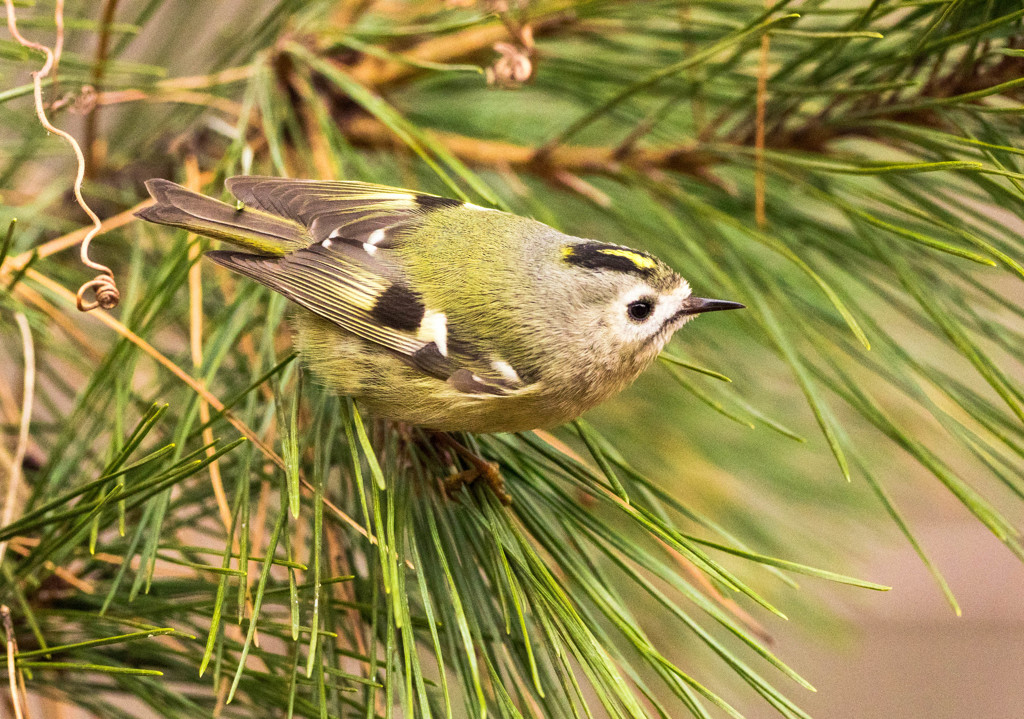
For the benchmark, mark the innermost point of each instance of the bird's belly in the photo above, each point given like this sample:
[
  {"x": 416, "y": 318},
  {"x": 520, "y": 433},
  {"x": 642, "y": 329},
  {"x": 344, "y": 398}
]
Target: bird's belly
[
  {"x": 429, "y": 402},
  {"x": 390, "y": 388}
]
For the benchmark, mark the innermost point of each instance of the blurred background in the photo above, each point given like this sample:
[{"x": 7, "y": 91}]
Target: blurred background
[
  {"x": 849, "y": 170},
  {"x": 904, "y": 654}
]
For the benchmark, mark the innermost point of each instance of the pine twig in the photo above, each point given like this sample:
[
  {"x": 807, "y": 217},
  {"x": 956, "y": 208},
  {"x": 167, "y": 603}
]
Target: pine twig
[{"x": 196, "y": 387}]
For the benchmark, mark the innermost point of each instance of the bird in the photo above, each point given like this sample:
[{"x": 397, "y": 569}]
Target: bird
[{"x": 437, "y": 312}]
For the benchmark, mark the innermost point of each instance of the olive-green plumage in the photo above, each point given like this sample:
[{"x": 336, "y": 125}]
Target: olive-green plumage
[{"x": 441, "y": 313}]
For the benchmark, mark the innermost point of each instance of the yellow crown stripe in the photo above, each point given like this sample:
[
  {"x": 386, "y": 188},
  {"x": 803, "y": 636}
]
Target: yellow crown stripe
[{"x": 642, "y": 262}]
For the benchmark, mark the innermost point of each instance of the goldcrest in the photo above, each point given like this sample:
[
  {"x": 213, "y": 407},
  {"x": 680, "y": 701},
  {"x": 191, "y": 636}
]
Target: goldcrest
[{"x": 441, "y": 313}]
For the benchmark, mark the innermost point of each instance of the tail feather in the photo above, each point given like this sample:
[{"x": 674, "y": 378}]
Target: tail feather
[{"x": 252, "y": 229}]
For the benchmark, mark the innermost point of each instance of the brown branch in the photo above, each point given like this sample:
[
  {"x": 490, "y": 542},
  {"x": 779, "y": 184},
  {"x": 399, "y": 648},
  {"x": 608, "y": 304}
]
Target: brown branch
[
  {"x": 20, "y": 546},
  {"x": 813, "y": 135},
  {"x": 581, "y": 187},
  {"x": 375, "y": 72},
  {"x": 567, "y": 158},
  {"x": 204, "y": 82},
  {"x": 760, "y": 105},
  {"x": 183, "y": 97},
  {"x": 99, "y": 69}
]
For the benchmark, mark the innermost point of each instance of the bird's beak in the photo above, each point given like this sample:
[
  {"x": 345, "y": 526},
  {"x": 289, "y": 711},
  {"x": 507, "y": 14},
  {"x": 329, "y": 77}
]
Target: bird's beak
[{"x": 699, "y": 305}]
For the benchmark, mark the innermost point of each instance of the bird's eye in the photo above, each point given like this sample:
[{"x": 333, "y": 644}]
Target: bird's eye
[{"x": 640, "y": 310}]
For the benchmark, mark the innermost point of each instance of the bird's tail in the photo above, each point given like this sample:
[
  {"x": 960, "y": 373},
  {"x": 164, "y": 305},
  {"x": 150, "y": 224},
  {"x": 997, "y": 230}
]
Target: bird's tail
[{"x": 249, "y": 228}]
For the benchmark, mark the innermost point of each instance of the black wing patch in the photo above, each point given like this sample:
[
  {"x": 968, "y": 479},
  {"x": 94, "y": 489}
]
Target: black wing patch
[{"x": 400, "y": 308}]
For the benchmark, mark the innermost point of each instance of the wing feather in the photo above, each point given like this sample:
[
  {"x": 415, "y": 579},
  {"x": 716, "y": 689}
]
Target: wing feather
[
  {"x": 339, "y": 210},
  {"x": 328, "y": 285}
]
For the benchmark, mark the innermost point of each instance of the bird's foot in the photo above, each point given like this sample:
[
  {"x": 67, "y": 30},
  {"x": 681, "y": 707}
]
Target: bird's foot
[
  {"x": 481, "y": 469},
  {"x": 487, "y": 471}
]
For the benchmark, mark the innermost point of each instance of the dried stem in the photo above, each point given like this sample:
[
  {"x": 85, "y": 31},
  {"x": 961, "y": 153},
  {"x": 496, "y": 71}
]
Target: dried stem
[
  {"x": 182, "y": 97},
  {"x": 204, "y": 82},
  {"x": 12, "y": 649},
  {"x": 195, "y": 300},
  {"x": 19, "y": 545},
  {"x": 580, "y": 186},
  {"x": 59, "y": 244},
  {"x": 762, "y": 100},
  {"x": 103, "y": 287},
  {"x": 28, "y": 398}
]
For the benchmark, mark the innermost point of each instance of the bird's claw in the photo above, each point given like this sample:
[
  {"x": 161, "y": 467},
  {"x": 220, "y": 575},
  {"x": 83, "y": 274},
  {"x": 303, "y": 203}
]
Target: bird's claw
[{"x": 488, "y": 471}]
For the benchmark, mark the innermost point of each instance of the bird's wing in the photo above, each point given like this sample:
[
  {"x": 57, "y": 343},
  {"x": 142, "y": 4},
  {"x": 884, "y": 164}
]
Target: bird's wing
[
  {"x": 368, "y": 297},
  {"x": 357, "y": 211},
  {"x": 351, "y": 276}
]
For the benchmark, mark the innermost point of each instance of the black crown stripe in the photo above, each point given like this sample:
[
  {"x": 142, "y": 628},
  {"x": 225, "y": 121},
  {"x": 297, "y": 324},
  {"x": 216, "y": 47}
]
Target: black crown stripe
[{"x": 598, "y": 256}]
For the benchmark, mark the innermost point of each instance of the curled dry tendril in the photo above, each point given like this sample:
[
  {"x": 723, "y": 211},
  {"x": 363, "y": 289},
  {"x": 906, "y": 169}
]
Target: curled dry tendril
[{"x": 102, "y": 287}]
